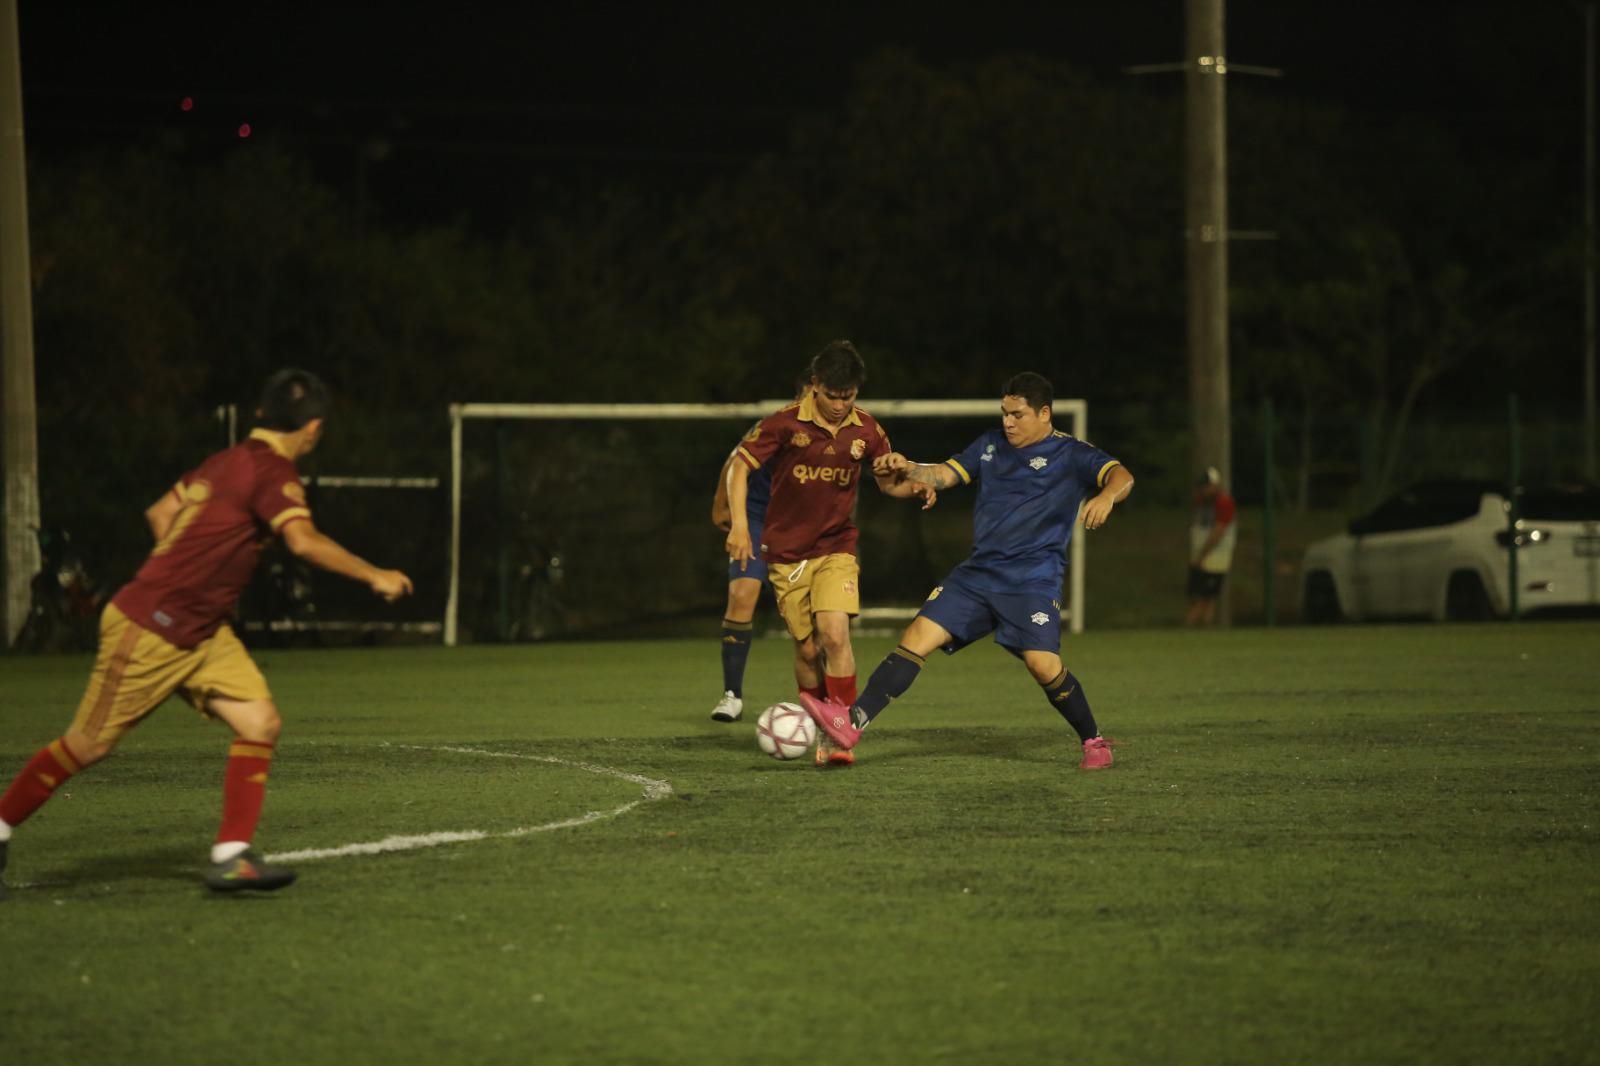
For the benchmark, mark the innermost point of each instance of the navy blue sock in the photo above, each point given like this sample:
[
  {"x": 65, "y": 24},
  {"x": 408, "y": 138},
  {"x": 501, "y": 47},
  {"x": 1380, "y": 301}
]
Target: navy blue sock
[
  {"x": 1066, "y": 696},
  {"x": 892, "y": 677},
  {"x": 735, "y": 652}
]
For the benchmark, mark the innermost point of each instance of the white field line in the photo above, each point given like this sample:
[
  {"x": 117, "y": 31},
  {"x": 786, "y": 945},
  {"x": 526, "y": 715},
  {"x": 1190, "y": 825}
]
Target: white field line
[{"x": 653, "y": 790}]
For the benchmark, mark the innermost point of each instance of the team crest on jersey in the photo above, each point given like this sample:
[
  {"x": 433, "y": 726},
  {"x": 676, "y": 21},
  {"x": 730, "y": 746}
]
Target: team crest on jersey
[
  {"x": 858, "y": 448},
  {"x": 1039, "y": 618},
  {"x": 295, "y": 491},
  {"x": 801, "y": 439},
  {"x": 1038, "y": 462}
]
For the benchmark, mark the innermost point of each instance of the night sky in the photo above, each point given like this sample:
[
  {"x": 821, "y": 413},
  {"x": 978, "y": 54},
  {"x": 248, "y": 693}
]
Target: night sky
[{"x": 436, "y": 106}]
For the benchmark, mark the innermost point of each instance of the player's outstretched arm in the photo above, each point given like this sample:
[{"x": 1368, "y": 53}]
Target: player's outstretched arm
[
  {"x": 322, "y": 551},
  {"x": 721, "y": 513},
  {"x": 897, "y": 468},
  {"x": 898, "y": 476},
  {"x": 1118, "y": 484}
]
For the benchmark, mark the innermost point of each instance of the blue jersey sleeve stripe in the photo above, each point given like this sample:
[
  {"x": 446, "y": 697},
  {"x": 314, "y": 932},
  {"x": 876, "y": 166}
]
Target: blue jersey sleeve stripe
[
  {"x": 966, "y": 478},
  {"x": 1104, "y": 470}
]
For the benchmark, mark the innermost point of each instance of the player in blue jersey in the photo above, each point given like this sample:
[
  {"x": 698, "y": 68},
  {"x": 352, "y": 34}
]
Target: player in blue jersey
[
  {"x": 1032, "y": 480},
  {"x": 745, "y": 578}
]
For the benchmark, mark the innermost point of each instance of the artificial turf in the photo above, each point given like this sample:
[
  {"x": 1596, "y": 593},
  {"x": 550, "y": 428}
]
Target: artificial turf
[{"x": 1337, "y": 845}]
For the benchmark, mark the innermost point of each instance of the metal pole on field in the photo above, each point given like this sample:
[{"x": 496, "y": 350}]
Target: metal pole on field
[
  {"x": 20, "y": 453},
  {"x": 1588, "y": 245},
  {"x": 1269, "y": 533},
  {"x": 1206, "y": 233},
  {"x": 452, "y": 601},
  {"x": 502, "y": 540},
  {"x": 1514, "y": 516}
]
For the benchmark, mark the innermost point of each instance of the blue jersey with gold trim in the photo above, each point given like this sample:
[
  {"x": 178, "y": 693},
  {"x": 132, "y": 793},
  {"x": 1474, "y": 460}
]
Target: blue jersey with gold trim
[{"x": 1028, "y": 500}]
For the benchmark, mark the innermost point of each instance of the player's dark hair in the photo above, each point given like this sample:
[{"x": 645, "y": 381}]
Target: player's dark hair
[
  {"x": 290, "y": 399},
  {"x": 1034, "y": 388},
  {"x": 839, "y": 367}
]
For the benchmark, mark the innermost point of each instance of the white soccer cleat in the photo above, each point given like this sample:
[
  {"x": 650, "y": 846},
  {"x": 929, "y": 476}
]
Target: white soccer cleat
[{"x": 728, "y": 708}]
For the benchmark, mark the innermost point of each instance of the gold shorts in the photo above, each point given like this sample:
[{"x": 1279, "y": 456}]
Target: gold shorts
[
  {"x": 831, "y": 583},
  {"x": 136, "y": 670}
]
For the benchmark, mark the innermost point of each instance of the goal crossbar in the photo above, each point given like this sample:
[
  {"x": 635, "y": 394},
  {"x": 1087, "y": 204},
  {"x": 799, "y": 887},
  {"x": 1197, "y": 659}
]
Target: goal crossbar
[{"x": 1075, "y": 410}]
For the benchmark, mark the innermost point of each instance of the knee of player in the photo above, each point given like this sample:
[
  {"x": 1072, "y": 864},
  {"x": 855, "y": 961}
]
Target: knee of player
[
  {"x": 1044, "y": 668},
  {"x": 834, "y": 642},
  {"x": 264, "y": 725},
  {"x": 85, "y": 749},
  {"x": 742, "y": 598}
]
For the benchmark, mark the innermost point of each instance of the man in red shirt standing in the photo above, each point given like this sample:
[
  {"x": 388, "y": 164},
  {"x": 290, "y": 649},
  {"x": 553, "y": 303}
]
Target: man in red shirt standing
[
  {"x": 1212, "y": 534},
  {"x": 817, "y": 450},
  {"x": 166, "y": 630}
]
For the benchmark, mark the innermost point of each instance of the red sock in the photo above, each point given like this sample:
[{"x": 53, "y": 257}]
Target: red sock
[
  {"x": 244, "y": 789},
  {"x": 841, "y": 690},
  {"x": 49, "y": 767}
]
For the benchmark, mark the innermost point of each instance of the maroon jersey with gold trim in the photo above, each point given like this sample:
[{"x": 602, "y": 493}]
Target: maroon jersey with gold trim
[
  {"x": 232, "y": 505},
  {"x": 815, "y": 475}
]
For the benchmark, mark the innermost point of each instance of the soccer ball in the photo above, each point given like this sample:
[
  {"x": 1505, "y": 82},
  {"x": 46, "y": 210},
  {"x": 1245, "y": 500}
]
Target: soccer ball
[{"x": 785, "y": 731}]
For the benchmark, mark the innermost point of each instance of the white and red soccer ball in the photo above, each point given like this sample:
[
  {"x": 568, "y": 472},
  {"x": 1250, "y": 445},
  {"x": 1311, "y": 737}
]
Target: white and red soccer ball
[{"x": 785, "y": 731}]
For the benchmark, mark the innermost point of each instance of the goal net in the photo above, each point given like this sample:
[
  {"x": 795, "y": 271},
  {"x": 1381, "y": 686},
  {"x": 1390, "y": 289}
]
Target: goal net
[
  {"x": 386, "y": 497},
  {"x": 397, "y": 521},
  {"x": 593, "y": 520}
]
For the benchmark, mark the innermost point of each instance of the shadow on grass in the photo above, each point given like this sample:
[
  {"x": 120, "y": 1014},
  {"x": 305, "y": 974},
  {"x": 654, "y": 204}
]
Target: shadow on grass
[{"x": 169, "y": 864}]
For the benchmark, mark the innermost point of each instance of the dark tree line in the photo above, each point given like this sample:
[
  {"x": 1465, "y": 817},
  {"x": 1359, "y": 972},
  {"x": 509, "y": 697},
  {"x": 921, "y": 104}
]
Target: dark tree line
[{"x": 958, "y": 223}]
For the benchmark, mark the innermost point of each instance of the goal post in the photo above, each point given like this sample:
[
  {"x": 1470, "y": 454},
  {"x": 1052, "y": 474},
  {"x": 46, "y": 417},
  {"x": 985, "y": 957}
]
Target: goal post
[{"x": 1070, "y": 415}]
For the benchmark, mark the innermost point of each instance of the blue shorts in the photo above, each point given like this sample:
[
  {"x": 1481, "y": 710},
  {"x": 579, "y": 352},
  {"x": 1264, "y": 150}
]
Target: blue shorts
[
  {"x": 755, "y": 568},
  {"x": 1025, "y": 620}
]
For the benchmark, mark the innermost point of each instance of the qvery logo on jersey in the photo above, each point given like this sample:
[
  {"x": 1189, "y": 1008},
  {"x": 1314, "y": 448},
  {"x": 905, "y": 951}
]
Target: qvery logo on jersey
[
  {"x": 1038, "y": 462},
  {"x": 988, "y": 454},
  {"x": 1039, "y": 618}
]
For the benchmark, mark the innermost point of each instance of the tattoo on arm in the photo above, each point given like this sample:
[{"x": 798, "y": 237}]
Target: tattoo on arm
[{"x": 938, "y": 475}]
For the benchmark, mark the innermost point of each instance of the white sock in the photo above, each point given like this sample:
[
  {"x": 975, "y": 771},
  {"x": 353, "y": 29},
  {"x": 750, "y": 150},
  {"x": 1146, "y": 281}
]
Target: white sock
[
  {"x": 5, "y": 831},
  {"x": 228, "y": 849}
]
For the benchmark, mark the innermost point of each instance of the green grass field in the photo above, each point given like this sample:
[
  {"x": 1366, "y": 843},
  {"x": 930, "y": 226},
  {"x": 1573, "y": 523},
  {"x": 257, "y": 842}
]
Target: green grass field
[{"x": 1363, "y": 845}]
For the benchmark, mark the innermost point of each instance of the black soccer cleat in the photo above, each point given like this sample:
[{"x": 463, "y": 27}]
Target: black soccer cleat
[{"x": 246, "y": 872}]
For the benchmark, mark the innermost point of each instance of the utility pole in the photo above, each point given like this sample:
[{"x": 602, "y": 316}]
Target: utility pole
[
  {"x": 1206, "y": 234},
  {"x": 21, "y": 447},
  {"x": 1588, "y": 245}
]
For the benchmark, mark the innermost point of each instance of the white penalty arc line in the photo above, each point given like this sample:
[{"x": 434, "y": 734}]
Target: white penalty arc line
[{"x": 653, "y": 790}]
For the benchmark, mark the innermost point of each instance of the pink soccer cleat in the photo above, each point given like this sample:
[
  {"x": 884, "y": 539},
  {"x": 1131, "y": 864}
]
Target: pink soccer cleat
[
  {"x": 830, "y": 754},
  {"x": 1096, "y": 754},
  {"x": 833, "y": 719}
]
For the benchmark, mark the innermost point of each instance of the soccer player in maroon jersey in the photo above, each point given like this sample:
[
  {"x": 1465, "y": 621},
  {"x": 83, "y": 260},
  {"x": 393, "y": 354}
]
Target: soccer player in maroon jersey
[
  {"x": 166, "y": 630},
  {"x": 817, "y": 450}
]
